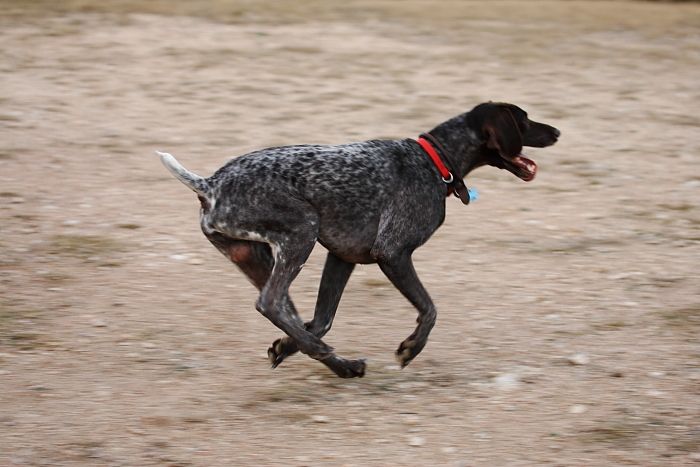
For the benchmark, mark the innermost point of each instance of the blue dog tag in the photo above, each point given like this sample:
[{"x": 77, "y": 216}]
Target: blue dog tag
[{"x": 473, "y": 194}]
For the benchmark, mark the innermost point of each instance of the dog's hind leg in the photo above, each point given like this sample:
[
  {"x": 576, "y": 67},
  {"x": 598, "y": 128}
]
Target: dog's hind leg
[
  {"x": 400, "y": 271},
  {"x": 335, "y": 276},
  {"x": 290, "y": 255},
  {"x": 254, "y": 259}
]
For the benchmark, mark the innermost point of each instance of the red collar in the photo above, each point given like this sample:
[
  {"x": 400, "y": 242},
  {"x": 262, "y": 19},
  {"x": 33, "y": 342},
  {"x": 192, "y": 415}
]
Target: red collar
[
  {"x": 446, "y": 175},
  {"x": 455, "y": 186}
]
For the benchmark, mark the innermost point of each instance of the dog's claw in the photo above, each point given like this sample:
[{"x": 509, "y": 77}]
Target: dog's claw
[
  {"x": 273, "y": 358},
  {"x": 275, "y": 353}
]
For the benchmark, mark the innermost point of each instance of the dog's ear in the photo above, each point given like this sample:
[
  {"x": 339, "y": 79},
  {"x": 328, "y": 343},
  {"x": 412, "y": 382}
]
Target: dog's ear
[{"x": 502, "y": 132}]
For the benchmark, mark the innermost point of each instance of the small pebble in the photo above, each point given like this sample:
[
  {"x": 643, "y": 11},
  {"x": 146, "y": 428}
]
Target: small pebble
[
  {"x": 578, "y": 409},
  {"x": 506, "y": 381},
  {"x": 416, "y": 441},
  {"x": 320, "y": 418},
  {"x": 579, "y": 359}
]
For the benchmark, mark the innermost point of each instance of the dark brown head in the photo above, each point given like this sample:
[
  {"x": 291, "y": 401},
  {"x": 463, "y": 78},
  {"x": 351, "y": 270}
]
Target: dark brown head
[{"x": 504, "y": 130}]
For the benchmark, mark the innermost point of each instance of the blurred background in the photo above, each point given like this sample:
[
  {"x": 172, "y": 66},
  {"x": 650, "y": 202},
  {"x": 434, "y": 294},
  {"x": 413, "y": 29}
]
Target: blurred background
[{"x": 568, "y": 308}]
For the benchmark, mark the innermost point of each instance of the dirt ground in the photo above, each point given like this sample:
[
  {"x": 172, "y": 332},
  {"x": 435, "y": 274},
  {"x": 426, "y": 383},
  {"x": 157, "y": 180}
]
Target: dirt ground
[{"x": 568, "y": 308}]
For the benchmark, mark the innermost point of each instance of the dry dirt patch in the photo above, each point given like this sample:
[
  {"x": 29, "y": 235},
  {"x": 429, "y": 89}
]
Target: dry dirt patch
[{"x": 567, "y": 329}]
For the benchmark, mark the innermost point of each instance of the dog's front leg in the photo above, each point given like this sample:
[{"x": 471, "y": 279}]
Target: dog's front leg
[{"x": 400, "y": 271}]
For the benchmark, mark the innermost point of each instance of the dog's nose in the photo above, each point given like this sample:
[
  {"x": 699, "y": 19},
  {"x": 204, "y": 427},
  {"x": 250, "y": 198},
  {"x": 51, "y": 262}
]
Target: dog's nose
[{"x": 556, "y": 132}]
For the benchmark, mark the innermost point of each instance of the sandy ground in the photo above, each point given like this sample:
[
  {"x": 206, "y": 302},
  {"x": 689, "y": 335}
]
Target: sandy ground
[{"x": 569, "y": 308}]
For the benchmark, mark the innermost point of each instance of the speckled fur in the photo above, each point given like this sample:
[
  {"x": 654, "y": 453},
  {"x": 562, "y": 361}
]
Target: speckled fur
[{"x": 369, "y": 202}]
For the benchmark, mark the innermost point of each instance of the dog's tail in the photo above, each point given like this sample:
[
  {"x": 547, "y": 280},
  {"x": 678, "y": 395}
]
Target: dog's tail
[{"x": 196, "y": 183}]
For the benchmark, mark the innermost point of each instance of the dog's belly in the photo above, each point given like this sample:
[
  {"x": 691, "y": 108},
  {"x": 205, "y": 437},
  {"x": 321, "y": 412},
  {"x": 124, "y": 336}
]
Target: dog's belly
[
  {"x": 350, "y": 255},
  {"x": 352, "y": 243}
]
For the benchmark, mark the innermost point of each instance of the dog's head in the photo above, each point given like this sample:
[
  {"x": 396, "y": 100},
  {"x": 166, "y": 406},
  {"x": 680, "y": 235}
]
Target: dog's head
[{"x": 504, "y": 130}]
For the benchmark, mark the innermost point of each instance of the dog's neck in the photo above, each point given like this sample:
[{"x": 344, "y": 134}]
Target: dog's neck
[{"x": 462, "y": 142}]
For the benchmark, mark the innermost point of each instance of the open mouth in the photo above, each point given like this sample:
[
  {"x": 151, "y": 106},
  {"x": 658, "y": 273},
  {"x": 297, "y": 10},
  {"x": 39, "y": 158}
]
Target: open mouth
[{"x": 522, "y": 167}]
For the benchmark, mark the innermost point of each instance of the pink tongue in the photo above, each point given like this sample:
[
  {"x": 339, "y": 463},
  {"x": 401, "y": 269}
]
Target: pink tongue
[{"x": 525, "y": 163}]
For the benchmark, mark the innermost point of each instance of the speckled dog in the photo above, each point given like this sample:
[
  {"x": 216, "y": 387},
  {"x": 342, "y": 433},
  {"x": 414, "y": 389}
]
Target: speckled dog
[{"x": 370, "y": 202}]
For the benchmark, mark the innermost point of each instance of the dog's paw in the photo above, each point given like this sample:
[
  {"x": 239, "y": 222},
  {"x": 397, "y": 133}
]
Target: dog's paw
[
  {"x": 345, "y": 368},
  {"x": 281, "y": 349},
  {"x": 407, "y": 351},
  {"x": 352, "y": 369}
]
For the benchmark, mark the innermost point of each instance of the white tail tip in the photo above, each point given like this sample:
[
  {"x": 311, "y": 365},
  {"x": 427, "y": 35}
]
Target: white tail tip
[{"x": 169, "y": 160}]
